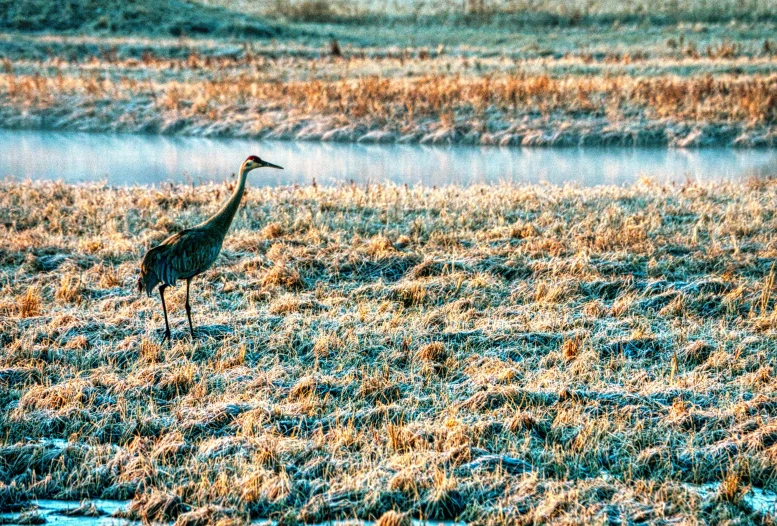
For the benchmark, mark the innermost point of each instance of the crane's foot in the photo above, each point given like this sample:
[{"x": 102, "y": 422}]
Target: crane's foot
[{"x": 167, "y": 337}]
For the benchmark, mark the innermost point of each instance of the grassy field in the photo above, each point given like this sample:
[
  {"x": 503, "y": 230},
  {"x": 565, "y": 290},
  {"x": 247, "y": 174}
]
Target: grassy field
[
  {"x": 526, "y": 354},
  {"x": 502, "y": 354},
  {"x": 586, "y": 74}
]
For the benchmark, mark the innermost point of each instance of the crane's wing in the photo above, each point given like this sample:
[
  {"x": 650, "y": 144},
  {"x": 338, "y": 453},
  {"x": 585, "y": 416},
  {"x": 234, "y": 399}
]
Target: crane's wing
[{"x": 184, "y": 255}]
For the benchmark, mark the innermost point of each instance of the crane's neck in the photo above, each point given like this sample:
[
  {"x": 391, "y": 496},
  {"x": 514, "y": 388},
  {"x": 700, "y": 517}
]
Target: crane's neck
[{"x": 223, "y": 218}]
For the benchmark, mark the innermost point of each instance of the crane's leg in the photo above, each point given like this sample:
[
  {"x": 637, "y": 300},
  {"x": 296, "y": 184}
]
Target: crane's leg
[
  {"x": 164, "y": 308},
  {"x": 189, "y": 308}
]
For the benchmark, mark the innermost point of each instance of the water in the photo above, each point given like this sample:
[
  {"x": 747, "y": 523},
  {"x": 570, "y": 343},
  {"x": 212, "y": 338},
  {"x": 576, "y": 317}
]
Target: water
[
  {"x": 758, "y": 499},
  {"x": 147, "y": 160},
  {"x": 51, "y": 511}
]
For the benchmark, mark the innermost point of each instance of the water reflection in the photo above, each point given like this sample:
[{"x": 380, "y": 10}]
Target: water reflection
[{"x": 145, "y": 160}]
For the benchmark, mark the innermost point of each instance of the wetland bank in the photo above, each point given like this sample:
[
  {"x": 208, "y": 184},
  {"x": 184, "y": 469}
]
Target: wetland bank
[
  {"x": 501, "y": 353},
  {"x": 685, "y": 75}
]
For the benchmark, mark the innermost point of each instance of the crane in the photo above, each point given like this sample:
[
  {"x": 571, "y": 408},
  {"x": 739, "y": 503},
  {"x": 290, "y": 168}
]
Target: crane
[{"x": 193, "y": 251}]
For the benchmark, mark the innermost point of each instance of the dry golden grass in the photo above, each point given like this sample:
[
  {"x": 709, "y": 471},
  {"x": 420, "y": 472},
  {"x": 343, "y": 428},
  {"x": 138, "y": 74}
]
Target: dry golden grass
[
  {"x": 698, "y": 90},
  {"x": 506, "y": 110},
  {"x": 559, "y": 355}
]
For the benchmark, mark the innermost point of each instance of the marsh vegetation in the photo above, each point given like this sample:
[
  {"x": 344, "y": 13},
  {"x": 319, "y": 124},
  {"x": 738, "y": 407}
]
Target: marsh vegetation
[
  {"x": 529, "y": 354},
  {"x": 525, "y": 354},
  {"x": 691, "y": 80}
]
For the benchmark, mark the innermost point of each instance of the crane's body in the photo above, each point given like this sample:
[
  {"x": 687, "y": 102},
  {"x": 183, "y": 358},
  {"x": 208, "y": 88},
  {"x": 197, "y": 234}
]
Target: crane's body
[{"x": 192, "y": 251}]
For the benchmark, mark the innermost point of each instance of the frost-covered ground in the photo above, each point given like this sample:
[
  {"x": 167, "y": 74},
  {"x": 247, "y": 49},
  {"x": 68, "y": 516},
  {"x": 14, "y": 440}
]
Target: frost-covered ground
[{"x": 528, "y": 354}]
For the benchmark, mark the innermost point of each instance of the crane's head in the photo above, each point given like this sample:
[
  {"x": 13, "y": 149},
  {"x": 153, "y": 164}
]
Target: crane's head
[{"x": 253, "y": 162}]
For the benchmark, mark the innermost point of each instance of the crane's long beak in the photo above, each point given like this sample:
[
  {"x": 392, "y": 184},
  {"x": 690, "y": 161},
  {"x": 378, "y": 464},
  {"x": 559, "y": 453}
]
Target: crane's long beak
[{"x": 271, "y": 165}]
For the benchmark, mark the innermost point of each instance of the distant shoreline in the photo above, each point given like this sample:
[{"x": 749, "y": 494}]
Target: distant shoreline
[
  {"x": 678, "y": 86},
  {"x": 597, "y": 134}
]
